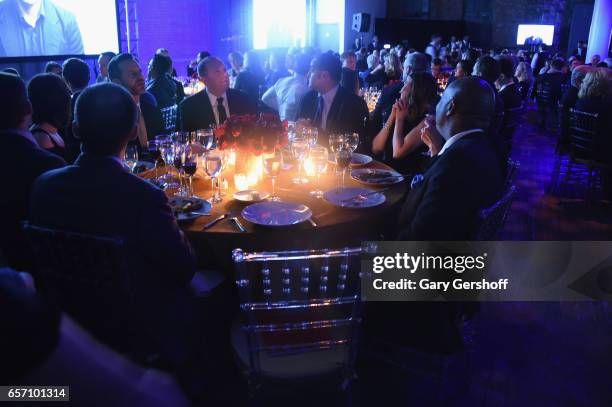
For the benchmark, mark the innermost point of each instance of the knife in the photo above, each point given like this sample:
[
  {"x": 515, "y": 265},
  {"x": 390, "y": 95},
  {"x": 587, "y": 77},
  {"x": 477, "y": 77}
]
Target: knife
[
  {"x": 363, "y": 195},
  {"x": 215, "y": 221},
  {"x": 237, "y": 222}
]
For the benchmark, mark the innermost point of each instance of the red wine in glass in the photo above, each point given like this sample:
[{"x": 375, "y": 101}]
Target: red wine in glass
[{"x": 190, "y": 168}]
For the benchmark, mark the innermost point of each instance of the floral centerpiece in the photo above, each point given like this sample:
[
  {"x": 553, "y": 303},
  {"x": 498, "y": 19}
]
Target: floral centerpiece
[{"x": 255, "y": 134}]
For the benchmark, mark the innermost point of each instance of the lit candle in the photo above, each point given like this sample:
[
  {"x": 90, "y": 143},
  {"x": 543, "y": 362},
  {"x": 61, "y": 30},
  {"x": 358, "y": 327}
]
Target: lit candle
[
  {"x": 241, "y": 182},
  {"x": 309, "y": 168}
]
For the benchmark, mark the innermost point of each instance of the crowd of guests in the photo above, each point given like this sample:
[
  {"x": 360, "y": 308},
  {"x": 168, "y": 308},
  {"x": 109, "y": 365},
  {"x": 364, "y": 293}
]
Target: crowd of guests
[{"x": 63, "y": 142}]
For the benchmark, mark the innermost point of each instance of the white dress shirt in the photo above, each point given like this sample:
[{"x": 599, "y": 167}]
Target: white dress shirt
[
  {"x": 214, "y": 104},
  {"x": 328, "y": 99},
  {"x": 286, "y": 95},
  {"x": 456, "y": 137}
]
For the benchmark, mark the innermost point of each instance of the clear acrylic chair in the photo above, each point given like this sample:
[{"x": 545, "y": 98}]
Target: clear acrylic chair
[
  {"x": 301, "y": 314},
  {"x": 169, "y": 115}
]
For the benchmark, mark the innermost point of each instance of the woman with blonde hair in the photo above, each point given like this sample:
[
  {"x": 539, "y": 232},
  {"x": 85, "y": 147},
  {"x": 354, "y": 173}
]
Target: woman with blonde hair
[{"x": 393, "y": 67}]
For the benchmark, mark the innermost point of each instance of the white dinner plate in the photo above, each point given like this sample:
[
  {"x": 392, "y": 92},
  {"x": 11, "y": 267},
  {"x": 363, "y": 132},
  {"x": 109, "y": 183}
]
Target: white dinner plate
[
  {"x": 376, "y": 176},
  {"x": 250, "y": 195},
  {"x": 276, "y": 213},
  {"x": 349, "y": 197},
  {"x": 359, "y": 160}
]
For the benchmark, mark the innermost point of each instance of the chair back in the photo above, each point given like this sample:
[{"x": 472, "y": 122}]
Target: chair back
[
  {"x": 583, "y": 133},
  {"x": 545, "y": 94},
  {"x": 86, "y": 276},
  {"x": 493, "y": 218},
  {"x": 299, "y": 301},
  {"x": 512, "y": 118},
  {"x": 169, "y": 115}
]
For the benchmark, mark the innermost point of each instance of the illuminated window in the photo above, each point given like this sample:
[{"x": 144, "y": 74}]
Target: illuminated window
[{"x": 279, "y": 24}]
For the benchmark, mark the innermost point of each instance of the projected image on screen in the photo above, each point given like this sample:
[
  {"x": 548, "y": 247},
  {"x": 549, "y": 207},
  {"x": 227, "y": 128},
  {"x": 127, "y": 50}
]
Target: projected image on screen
[
  {"x": 533, "y": 34},
  {"x": 57, "y": 27}
]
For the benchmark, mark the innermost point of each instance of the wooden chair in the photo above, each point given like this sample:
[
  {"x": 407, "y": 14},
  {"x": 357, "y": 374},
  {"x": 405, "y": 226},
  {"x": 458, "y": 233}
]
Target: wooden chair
[{"x": 301, "y": 315}]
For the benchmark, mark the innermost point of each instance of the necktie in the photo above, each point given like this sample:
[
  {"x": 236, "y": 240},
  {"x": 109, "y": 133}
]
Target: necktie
[
  {"x": 221, "y": 110},
  {"x": 318, "y": 117}
]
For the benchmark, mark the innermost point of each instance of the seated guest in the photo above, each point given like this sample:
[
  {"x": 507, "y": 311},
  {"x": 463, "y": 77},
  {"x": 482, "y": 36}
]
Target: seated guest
[
  {"x": 595, "y": 60},
  {"x": 103, "y": 61},
  {"x": 595, "y": 96},
  {"x": 252, "y": 77},
  {"x": 162, "y": 86},
  {"x": 393, "y": 68},
  {"x": 24, "y": 160},
  {"x": 158, "y": 254},
  {"x": 399, "y": 141},
  {"x": 53, "y": 67},
  {"x": 278, "y": 69},
  {"x": 286, "y": 95},
  {"x": 236, "y": 61},
  {"x": 414, "y": 62},
  {"x": 487, "y": 68},
  {"x": 50, "y": 99},
  {"x": 525, "y": 79},
  {"x": 76, "y": 74},
  {"x": 550, "y": 82},
  {"x": 436, "y": 67},
  {"x": 192, "y": 69},
  {"x": 124, "y": 70},
  {"x": 465, "y": 176},
  {"x": 568, "y": 101},
  {"x": 214, "y": 104},
  {"x": 511, "y": 96},
  {"x": 463, "y": 68},
  {"x": 350, "y": 78},
  {"x": 329, "y": 106}
]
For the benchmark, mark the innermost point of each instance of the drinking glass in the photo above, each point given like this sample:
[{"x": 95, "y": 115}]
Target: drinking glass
[
  {"x": 155, "y": 154},
  {"x": 318, "y": 157},
  {"x": 190, "y": 165},
  {"x": 343, "y": 159},
  {"x": 272, "y": 166},
  {"x": 206, "y": 138},
  {"x": 213, "y": 163},
  {"x": 312, "y": 135},
  {"x": 352, "y": 141},
  {"x": 178, "y": 159},
  {"x": 336, "y": 141},
  {"x": 291, "y": 131},
  {"x": 131, "y": 157},
  {"x": 300, "y": 148}
]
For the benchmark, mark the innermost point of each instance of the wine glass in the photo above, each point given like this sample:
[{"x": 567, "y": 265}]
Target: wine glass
[
  {"x": 178, "y": 158},
  {"x": 155, "y": 154},
  {"x": 352, "y": 141},
  {"x": 206, "y": 138},
  {"x": 272, "y": 167},
  {"x": 336, "y": 141},
  {"x": 312, "y": 136},
  {"x": 318, "y": 157},
  {"x": 300, "y": 148},
  {"x": 343, "y": 159},
  {"x": 213, "y": 162},
  {"x": 131, "y": 157},
  {"x": 190, "y": 165}
]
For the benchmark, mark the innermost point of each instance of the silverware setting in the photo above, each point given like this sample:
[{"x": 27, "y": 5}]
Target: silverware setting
[
  {"x": 312, "y": 222},
  {"x": 238, "y": 224},
  {"x": 215, "y": 221}
]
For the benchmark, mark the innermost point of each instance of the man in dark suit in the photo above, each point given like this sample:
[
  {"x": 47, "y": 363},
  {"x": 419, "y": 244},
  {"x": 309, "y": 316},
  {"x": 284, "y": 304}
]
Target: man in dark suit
[
  {"x": 464, "y": 177},
  {"x": 23, "y": 160},
  {"x": 124, "y": 70},
  {"x": 328, "y": 105},
  {"x": 510, "y": 94},
  {"x": 213, "y": 105},
  {"x": 37, "y": 27}
]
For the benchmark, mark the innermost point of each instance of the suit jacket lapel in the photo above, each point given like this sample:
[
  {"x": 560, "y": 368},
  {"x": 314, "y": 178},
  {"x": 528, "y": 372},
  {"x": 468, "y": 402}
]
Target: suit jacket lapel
[{"x": 207, "y": 108}]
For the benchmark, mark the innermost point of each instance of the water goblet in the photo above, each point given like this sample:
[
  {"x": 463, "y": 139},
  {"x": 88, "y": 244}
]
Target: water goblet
[{"x": 318, "y": 157}]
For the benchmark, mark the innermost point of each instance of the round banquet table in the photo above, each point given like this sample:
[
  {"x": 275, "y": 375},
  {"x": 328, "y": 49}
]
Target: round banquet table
[{"x": 336, "y": 227}]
